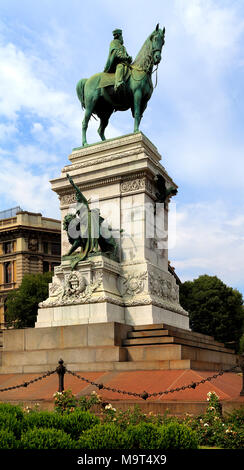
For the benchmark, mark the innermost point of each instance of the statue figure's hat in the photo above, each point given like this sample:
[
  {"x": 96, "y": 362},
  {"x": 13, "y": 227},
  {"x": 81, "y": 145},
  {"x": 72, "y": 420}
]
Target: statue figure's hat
[{"x": 117, "y": 31}]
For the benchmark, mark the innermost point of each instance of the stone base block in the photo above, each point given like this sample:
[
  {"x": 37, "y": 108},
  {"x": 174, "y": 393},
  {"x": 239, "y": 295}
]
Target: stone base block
[
  {"x": 152, "y": 314},
  {"x": 109, "y": 312},
  {"x": 110, "y": 347},
  {"x": 80, "y": 314}
]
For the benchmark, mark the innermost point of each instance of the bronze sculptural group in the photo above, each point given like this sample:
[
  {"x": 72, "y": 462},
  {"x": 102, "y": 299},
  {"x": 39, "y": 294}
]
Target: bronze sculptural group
[
  {"x": 124, "y": 84},
  {"x": 84, "y": 231}
]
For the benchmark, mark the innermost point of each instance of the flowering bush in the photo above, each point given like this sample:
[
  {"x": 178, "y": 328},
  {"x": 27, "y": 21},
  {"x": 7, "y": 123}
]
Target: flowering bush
[
  {"x": 216, "y": 431},
  {"x": 66, "y": 402},
  {"x": 131, "y": 416}
]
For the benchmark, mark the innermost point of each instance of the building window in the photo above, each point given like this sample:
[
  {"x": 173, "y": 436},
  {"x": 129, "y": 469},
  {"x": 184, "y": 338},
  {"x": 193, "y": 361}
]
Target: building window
[
  {"x": 45, "y": 266},
  {"x": 8, "y": 272},
  {"x": 56, "y": 249},
  {"x": 45, "y": 247},
  {"x": 7, "y": 247}
]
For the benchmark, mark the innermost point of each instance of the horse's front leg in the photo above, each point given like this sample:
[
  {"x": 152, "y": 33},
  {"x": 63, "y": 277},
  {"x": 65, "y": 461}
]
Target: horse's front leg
[{"x": 137, "y": 109}]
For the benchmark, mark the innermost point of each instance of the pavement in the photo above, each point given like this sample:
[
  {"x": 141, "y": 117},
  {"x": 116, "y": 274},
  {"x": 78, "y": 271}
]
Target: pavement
[{"x": 226, "y": 386}]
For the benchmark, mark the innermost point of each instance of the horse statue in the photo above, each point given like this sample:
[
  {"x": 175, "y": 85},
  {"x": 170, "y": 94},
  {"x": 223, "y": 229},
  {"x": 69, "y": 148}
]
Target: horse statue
[{"x": 97, "y": 94}]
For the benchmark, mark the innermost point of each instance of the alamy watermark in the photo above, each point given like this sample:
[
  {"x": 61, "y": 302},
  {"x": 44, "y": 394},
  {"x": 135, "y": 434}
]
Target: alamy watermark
[{"x": 124, "y": 218}]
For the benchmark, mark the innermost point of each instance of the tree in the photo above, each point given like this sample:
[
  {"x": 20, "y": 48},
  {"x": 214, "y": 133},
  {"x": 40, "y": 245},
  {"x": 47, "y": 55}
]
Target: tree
[
  {"x": 22, "y": 304},
  {"x": 214, "y": 308}
]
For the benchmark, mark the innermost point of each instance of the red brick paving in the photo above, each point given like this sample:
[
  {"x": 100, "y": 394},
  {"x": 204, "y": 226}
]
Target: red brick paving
[{"x": 227, "y": 387}]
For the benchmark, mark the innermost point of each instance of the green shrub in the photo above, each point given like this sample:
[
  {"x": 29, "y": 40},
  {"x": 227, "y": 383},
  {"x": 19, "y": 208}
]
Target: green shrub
[
  {"x": 78, "y": 421},
  {"x": 44, "y": 438},
  {"x": 102, "y": 436},
  {"x": 72, "y": 423},
  {"x": 142, "y": 436},
  {"x": 7, "y": 440},
  {"x": 177, "y": 436},
  {"x": 11, "y": 418},
  {"x": 12, "y": 409},
  {"x": 236, "y": 417},
  {"x": 43, "y": 419}
]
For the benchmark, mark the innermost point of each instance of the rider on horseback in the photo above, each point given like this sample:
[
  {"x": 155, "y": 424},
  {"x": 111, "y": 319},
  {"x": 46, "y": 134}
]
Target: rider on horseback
[{"x": 118, "y": 59}]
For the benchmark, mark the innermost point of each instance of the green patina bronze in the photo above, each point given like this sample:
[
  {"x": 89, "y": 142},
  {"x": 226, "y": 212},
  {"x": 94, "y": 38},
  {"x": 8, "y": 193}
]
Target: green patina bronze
[
  {"x": 123, "y": 84},
  {"x": 163, "y": 193},
  {"x": 84, "y": 231}
]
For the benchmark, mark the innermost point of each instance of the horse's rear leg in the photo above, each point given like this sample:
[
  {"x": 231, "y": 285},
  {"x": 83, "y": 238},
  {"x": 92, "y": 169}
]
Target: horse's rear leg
[
  {"x": 85, "y": 121},
  {"x": 103, "y": 124}
]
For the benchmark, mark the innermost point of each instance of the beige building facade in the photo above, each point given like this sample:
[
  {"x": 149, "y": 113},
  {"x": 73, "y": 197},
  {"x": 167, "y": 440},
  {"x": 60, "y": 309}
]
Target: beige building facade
[{"x": 29, "y": 244}]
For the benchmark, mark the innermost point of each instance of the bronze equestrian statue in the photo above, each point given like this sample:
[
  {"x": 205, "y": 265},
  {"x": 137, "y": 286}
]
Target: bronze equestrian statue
[{"x": 123, "y": 85}]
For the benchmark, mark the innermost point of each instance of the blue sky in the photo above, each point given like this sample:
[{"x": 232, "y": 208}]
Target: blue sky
[{"x": 195, "y": 116}]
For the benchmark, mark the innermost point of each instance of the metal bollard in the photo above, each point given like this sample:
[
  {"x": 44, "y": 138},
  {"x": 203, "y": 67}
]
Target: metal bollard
[{"x": 61, "y": 369}]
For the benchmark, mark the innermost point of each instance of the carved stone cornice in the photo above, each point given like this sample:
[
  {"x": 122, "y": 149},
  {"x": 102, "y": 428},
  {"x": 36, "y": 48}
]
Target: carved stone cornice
[
  {"x": 98, "y": 161},
  {"x": 137, "y": 184}
]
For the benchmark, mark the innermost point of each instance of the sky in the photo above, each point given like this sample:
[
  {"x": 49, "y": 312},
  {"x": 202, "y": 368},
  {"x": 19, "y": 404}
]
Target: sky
[{"x": 194, "y": 118}]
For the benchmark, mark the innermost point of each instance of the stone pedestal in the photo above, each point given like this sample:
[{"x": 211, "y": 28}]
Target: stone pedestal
[{"x": 118, "y": 177}]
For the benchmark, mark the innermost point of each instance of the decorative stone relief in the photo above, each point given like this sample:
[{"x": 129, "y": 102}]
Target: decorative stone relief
[
  {"x": 135, "y": 185},
  {"x": 133, "y": 284},
  {"x": 75, "y": 290},
  {"x": 66, "y": 199},
  {"x": 161, "y": 287},
  {"x": 33, "y": 244}
]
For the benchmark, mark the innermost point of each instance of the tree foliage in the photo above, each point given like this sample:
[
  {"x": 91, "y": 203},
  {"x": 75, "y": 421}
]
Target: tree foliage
[
  {"x": 214, "y": 308},
  {"x": 22, "y": 304}
]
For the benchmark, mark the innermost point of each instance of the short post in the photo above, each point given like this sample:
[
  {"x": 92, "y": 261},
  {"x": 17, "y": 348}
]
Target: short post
[
  {"x": 61, "y": 371},
  {"x": 241, "y": 363}
]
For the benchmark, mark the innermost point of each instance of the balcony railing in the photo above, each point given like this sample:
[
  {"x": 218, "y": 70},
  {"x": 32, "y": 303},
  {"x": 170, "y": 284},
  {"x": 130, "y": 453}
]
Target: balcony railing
[{"x": 7, "y": 285}]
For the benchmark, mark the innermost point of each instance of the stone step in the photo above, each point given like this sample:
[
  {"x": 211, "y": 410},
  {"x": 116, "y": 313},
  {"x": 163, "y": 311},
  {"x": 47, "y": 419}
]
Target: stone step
[
  {"x": 164, "y": 326},
  {"x": 147, "y": 333},
  {"x": 178, "y": 352},
  {"x": 176, "y": 332},
  {"x": 180, "y": 335},
  {"x": 170, "y": 332},
  {"x": 150, "y": 340}
]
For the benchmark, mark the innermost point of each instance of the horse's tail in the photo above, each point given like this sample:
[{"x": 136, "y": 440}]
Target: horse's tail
[{"x": 80, "y": 91}]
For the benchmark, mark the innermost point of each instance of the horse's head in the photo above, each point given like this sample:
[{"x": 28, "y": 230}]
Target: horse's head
[{"x": 157, "y": 40}]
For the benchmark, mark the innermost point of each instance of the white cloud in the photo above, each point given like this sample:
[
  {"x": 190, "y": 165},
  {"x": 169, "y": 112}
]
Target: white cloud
[
  {"x": 29, "y": 155},
  {"x": 21, "y": 185},
  {"x": 210, "y": 241},
  {"x": 215, "y": 30},
  {"x": 21, "y": 90},
  {"x": 7, "y": 130}
]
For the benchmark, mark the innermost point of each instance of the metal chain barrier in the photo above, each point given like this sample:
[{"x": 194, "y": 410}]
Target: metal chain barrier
[
  {"x": 25, "y": 384},
  {"x": 145, "y": 395},
  {"x": 61, "y": 370}
]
